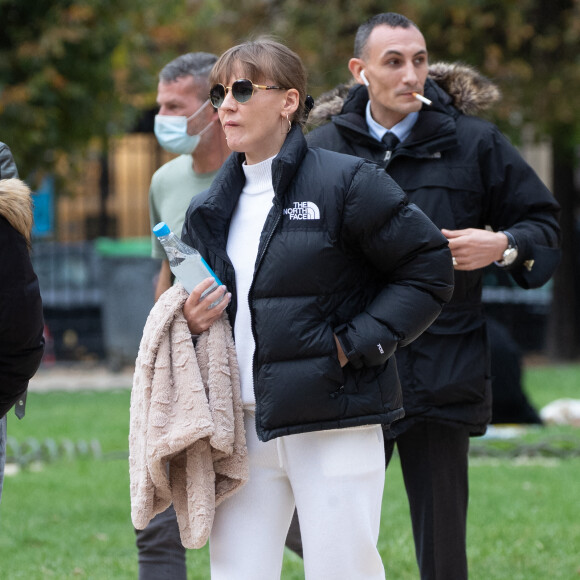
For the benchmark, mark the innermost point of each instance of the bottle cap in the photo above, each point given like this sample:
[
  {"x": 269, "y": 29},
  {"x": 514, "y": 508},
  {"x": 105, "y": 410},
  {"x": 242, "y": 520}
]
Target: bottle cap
[{"x": 161, "y": 229}]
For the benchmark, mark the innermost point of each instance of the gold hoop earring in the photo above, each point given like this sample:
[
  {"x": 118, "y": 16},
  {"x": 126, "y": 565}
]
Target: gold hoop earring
[{"x": 282, "y": 131}]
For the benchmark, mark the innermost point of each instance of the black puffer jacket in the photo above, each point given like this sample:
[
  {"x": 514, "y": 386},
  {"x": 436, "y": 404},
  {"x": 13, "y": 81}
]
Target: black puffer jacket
[
  {"x": 463, "y": 173},
  {"x": 21, "y": 318},
  {"x": 334, "y": 257}
]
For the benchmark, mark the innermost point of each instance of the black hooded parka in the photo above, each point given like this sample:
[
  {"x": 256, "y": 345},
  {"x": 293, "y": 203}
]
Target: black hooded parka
[{"x": 463, "y": 173}]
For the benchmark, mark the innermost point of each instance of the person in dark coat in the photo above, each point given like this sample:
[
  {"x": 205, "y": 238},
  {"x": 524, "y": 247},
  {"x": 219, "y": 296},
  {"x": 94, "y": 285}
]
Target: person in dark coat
[
  {"x": 327, "y": 280},
  {"x": 418, "y": 123},
  {"x": 509, "y": 401},
  {"x": 21, "y": 317}
]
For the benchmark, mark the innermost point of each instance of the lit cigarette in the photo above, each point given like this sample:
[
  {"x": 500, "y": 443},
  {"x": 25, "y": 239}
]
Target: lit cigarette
[{"x": 422, "y": 98}]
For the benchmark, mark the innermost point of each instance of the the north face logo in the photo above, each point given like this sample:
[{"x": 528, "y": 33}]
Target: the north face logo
[{"x": 303, "y": 210}]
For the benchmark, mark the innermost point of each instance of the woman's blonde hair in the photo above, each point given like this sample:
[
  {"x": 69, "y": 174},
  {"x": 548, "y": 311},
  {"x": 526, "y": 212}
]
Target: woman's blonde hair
[
  {"x": 264, "y": 59},
  {"x": 16, "y": 206}
]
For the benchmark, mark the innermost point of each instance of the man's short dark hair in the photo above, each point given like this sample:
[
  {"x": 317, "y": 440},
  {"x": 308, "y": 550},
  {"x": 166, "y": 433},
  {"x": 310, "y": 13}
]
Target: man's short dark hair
[{"x": 391, "y": 19}]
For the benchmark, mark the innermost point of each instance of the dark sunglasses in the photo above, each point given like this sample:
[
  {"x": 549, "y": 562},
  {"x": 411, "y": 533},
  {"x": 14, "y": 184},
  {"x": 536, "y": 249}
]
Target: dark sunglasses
[{"x": 242, "y": 91}]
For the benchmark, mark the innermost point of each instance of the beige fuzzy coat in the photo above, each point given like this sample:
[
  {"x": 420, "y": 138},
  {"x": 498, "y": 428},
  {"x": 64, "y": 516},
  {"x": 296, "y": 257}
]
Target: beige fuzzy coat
[{"x": 186, "y": 441}]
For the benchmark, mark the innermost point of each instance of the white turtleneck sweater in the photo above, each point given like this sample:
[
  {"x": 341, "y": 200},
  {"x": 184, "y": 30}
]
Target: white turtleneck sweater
[{"x": 243, "y": 239}]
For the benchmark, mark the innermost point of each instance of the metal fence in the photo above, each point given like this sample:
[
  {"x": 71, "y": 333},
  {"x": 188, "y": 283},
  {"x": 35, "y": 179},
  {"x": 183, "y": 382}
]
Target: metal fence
[{"x": 95, "y": 302}]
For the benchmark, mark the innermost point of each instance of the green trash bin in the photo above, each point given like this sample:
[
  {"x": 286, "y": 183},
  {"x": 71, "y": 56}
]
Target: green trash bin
[{"x": 128, "y": 287}]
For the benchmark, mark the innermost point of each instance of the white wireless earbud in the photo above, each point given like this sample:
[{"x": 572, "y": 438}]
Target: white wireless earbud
[{"x": 364, "y": 78}]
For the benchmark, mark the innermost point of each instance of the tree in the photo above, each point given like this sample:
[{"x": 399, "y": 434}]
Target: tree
[
  {"x": 72, "y": 71},
  {"x": 75, "y": 72},
  {"x": 531, "y": 48},
  {"x": 56, "y": 79}
]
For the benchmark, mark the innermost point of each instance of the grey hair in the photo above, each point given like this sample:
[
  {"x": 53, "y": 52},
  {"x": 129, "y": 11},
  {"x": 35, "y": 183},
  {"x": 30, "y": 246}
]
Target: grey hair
[
  {"x": 391, "y": 19},
  {"x": 195, "y": 64}
]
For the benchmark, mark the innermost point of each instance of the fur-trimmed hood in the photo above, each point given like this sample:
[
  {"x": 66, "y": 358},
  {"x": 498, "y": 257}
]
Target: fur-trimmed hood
[
  {"x": 16, "y": 206},
  {"x": 470, "y": 92}
]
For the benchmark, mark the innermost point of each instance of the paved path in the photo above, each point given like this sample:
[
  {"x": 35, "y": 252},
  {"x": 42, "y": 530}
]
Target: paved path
[{"x": 80, "y": 376}]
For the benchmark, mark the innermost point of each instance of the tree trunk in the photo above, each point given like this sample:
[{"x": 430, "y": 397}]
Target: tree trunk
[
  {"x": 104, "y": 183},
  {"x": 562, "y": 331}
]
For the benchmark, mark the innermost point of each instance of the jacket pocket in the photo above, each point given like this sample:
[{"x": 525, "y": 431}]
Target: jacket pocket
[
  {"x": 446, "y": 367},
  {"x": 452, "y": 196}
]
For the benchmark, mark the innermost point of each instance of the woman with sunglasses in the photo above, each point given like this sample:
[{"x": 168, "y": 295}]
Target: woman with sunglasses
[{"x": 330, "y": 271}]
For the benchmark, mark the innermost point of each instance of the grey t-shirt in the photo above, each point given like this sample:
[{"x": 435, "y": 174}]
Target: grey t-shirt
[{"x": 172, "y": 187}]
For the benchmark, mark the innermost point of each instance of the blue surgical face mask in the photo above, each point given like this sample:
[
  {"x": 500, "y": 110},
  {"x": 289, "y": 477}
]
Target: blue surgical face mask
[{"x": 171, "y": 132}]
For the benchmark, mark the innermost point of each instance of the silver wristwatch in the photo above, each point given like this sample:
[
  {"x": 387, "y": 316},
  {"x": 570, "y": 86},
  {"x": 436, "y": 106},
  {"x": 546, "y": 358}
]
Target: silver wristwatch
[{"x": 510, "y": 254}]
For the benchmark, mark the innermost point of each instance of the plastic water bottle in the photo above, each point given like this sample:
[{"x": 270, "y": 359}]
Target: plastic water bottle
[{"x": 185, "y": 262}]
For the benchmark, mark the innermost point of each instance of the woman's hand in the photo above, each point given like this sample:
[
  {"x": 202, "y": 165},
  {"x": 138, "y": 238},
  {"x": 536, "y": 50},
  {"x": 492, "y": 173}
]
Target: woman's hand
[
  {"x": 198, "y": 313},
  {"x": 341, "y": 356}
]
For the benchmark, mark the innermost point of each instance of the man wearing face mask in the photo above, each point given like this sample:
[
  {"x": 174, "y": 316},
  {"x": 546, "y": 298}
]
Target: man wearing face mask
[{"x": 188, "y": 126}]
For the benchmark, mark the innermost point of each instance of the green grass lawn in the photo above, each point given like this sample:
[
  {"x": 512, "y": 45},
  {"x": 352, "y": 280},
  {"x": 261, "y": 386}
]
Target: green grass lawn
[{"x": 70, "y": 518}]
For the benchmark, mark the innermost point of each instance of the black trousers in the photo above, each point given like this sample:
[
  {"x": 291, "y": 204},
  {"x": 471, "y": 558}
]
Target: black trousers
[{"x": 434, "y": 462}]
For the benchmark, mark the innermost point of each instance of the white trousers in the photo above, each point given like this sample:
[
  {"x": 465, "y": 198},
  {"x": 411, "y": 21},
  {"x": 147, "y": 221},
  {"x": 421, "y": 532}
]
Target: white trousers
[{"x": 336, "y": 480}]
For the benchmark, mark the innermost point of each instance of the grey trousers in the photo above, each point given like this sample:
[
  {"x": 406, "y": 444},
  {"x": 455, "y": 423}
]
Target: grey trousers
[{"x": 161, "y": 553}]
